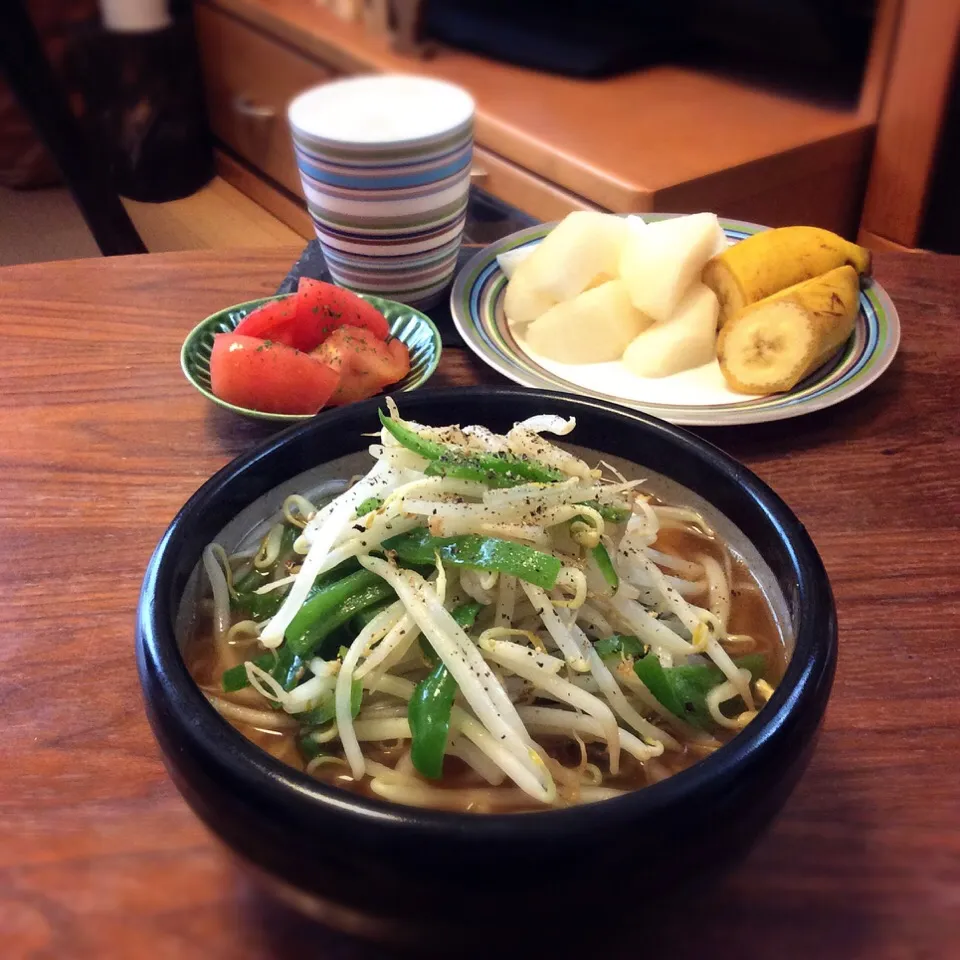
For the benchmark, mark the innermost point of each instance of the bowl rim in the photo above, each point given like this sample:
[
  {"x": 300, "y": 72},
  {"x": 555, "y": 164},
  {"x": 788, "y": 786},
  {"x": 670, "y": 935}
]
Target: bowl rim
[
  {"x": 251, "y": 305},
  {"x": 808, "y": 676}
]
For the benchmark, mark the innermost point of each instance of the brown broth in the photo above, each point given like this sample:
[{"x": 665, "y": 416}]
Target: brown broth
[
  {"x": 750, "y": 611},
  {"x": 750, "y": 614}
]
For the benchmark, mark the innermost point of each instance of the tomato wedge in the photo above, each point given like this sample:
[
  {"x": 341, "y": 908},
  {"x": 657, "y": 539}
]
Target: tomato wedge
[
  {"x": 324, "y": 307},
  {"x": 305, "y": 319},
  {"x": 274, "y": 321},
  {"x": 365, "y": 363},
  {"x": 268, "y": 376}
]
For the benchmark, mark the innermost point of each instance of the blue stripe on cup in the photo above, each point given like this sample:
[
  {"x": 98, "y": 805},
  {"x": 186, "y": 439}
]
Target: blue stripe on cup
[{"x": 373, "y": 182}]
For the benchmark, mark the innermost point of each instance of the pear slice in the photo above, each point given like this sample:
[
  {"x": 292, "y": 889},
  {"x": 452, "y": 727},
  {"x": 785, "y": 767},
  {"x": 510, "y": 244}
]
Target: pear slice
[
  {"x": 584, "y": 245},
  {"x": 511, "y": 259},
  {"x": 591, "y": 328},
  {"x": 661, "y": 260},
  {"x": 685, "y": 339}
]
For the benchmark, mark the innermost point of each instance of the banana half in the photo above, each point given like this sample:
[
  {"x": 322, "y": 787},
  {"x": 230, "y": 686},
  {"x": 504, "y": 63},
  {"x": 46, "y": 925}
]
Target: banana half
[{"x": 771, "y": 345}]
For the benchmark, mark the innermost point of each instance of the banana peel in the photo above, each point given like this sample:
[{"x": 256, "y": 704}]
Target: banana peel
[{"x": 771, "y": 261}]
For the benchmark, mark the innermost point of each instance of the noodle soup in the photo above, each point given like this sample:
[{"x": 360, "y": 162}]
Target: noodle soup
[{"x": 485, "y": 623}]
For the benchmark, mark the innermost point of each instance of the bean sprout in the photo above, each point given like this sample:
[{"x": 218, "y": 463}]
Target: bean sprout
[{"x": 528, "y": 646}]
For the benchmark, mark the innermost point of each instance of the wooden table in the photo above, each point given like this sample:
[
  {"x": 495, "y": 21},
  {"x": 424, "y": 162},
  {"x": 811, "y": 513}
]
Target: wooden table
[{"x": 101, "y": 440}]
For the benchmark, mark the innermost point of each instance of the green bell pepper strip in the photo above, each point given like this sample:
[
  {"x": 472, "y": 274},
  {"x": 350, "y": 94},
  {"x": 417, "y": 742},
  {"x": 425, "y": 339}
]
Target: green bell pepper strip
[
  {"x": 620, "y": 645},
  {"x": 482, "y": 553},
  {"x": 429, "y": 715},
  {"x": 431, "y": 705},
  {"x": 235, "y": 678},
  {"x": 320, "y": 715},
  {"x": 257, "y": 606},
  {"x": 365, "y": 616},
  {"x": 260, "y": 606},
  {"x": 249, "y": 583},
  {"x": 368, "y": 506},
  {"x": 331, "y": 607},
  {"x": 287, "y": 540},
  {"x": 282, "y": 664},
  {"x": 285, "y": 664},
  {"x": 599, "y": 552},
  {"x": 309, "y": 748},
  {"x": 465, "y": 615},
  {"x": 326, "y": 709},
  {"x": 341, "y": 570},
  {"x": 683, "y": 689},
  {"x": 429, "y": 449},
  {"x": 603, "y": 561},
  {"x": 493, "y": 469},
  {"x": 609, "y": 512}
]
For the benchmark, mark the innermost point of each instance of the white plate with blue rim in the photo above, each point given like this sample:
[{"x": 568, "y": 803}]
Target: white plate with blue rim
[{"x": 698, "y": 397}]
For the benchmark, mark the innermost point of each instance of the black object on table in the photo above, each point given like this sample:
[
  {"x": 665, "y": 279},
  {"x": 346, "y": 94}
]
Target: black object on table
[
  {"x": 43, "y": 99},
  {"x": 143, "y": 97},
  {"x": 488, "y": 219}
]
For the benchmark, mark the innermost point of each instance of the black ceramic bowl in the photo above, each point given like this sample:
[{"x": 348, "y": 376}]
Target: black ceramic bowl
[{"x": 392, "y": 870}]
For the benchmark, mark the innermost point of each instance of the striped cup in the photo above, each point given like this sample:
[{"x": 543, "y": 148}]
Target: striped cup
[{"x": 385, "y": 167}]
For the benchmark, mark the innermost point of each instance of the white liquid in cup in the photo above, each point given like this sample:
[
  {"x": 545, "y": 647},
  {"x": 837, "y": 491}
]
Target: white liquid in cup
[{"x": 381, "y": 109}]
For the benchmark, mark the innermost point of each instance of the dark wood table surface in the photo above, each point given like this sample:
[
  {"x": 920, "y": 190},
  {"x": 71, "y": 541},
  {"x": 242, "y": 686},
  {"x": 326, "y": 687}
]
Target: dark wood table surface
[{"x": 101, "y": 440}]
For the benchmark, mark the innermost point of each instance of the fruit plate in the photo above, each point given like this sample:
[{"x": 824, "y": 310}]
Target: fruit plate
[
  {"x": 698, "y": 397},
  {"x": 410, "y": 326}
]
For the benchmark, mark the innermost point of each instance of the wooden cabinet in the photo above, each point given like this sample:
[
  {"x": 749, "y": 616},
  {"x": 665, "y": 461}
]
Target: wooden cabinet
[
  {"x": 250, "y": 78},
  {"x": 910, "y": 125},
  {"x": 662, "y": 139},
  {"x": 523, "y": 189}
]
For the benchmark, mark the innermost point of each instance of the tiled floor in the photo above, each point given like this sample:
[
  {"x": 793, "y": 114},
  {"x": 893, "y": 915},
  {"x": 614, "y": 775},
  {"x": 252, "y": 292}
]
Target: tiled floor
[{"x": 38, "y": 225}]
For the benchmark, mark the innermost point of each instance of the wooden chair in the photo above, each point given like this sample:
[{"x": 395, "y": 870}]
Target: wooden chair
[{"x": 42, "y": 97}]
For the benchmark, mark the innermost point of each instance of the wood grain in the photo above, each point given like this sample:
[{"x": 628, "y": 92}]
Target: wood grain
[
  {"x": 821, "y": 185},
  {"x": 616, "y": 142},
  {"x": 882, "y": 40},
  {"x": 101, "y": 440},
  {"x": 286, "y": 207},
  {"x": 524, "y": 190},
  {"x": 875, "y": 242},
  {"x": 217, "y": 216}
]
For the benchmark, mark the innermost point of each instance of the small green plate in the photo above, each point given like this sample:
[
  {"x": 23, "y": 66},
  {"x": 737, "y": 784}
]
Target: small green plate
[{"x": 410, "y": 326}]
